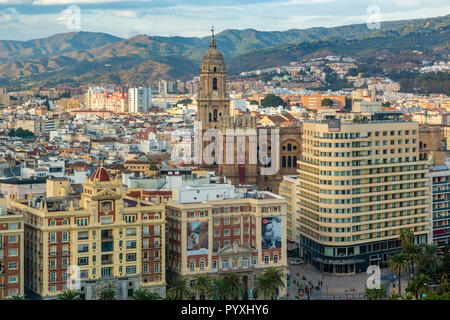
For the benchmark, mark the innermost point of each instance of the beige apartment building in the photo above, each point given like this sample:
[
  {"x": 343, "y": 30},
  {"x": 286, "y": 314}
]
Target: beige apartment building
[
  {"x": 287, "y": 190},
  {"x": 361, "y": 182},
  {"x": 114, "y": 240}
]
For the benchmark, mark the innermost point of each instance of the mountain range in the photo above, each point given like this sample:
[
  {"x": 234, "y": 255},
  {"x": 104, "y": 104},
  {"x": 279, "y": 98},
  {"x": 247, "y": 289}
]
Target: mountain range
[{"x": 88, "y": 57}]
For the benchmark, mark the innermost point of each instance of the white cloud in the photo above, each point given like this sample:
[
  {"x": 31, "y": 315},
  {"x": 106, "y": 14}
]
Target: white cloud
[{"x": 9, "y": 15}]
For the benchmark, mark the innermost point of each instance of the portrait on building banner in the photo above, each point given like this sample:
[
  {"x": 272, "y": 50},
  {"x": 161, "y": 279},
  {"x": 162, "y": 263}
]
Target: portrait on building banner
[
  {"x": 197, "y": 238},
  {"x": 271, "y": 232}
]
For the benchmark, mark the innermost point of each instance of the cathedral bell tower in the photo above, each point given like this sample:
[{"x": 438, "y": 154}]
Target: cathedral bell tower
[{"x": 212, "y": 100}]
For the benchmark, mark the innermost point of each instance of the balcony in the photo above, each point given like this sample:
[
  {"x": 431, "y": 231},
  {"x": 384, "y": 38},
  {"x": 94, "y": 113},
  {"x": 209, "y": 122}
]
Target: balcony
[
  {"x": 107, "y": 259},
  {"x": 107, "y": 246}
]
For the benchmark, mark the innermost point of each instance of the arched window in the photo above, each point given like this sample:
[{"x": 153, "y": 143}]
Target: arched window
[
  {"x": 289, "y": 162},
  {"x": 214, "y": 83},
  {"x": 294, "y": 164},
  {"x": 283, "y": 162},
  {"x": 52, "y": 223},
  {"x": 215, "y": 69},
  {"x": 65, "y": 222},
  {"x": 289, "y": 147},
  {"x": 210, "y": 118},
  {"x": 215, "y": 115}
]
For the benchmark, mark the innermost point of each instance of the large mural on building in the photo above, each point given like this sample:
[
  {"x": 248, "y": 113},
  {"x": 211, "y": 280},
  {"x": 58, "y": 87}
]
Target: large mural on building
[
  {"x": 197, "y": 238},
  {"x": 271, "y": 232}
]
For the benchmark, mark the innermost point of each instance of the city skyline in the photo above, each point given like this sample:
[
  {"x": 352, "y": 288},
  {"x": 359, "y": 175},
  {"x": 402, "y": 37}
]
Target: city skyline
[{"x": 31, "y": 19}]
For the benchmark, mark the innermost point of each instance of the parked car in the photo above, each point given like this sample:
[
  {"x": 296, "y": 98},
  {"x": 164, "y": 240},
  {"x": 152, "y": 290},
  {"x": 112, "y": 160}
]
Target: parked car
[{"x": 297, "y": 261}]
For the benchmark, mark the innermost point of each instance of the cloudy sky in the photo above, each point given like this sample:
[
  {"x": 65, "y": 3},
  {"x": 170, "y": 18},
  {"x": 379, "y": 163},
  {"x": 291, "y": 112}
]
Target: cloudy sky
[{"x": 31, "y": 19}]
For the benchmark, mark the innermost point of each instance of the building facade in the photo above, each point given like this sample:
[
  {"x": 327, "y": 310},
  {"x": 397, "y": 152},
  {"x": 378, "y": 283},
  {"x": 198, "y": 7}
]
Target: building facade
[
  {"x": 114, "y": 240},
  {"x": 360, "y": 184},
  {"x": 213, "y": 230},
  {"x": 139, "y": 100},
  {"x": 11, "y": 254}
]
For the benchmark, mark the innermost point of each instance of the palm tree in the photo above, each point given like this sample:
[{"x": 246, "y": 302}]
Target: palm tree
[
  {"x": 220, "y": 290},
  {"x": 429, "y": 262},
  {"x": 264, "y": 288},
  {"x": 17, "y": 297},
  {"x": 202, "y": 285},
  {"x": 107, "y": 294},
  {"x": 275, "y": 276},
  {"x": 419, "y": 285},
  {"x": 178, "y": 290},
  {"x": 406, "y": 237},
  {"x": 412, "y": 253},
  {"x": 69, "y": 295},
  {"x": 398, "y": 263},
  {"x": 235, "y": 284},
  {"x": 144, "y": 294}
]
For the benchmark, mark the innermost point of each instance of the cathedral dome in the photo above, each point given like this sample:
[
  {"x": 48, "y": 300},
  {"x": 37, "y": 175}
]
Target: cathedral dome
[{"x": 101, "y": 174}]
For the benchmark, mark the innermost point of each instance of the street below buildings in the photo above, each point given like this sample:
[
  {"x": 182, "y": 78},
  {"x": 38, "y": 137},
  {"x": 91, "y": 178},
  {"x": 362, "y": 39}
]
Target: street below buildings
[{"x": 335, "y": 287}]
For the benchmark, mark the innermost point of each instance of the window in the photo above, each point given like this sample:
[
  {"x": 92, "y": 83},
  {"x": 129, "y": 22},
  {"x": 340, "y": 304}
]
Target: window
[
  {"x": 130, "y": 269},
  {"x": 12, "y": 266},
  {"x": 131, "y": 232},
  {"x": 12, "y": 239},
  {"x": 131, "y": 244},
  {"x": 156, "y": 267},
  {"x": 131, "y": 257},
  {"x": 12, "y": 252},
  {"x": 83, "y": 235},
  {"x": 12, "y": 279},
  {"x": 13, "y": 226},
  {"x": 266, "y": 259},
  {"x": 214, "y": 83},
  {"x": 145, "y": 231},
  {"x": 65, "y": 236},
  {"x": 53, "y": 237},
  {"x": 83, "y": 261}
]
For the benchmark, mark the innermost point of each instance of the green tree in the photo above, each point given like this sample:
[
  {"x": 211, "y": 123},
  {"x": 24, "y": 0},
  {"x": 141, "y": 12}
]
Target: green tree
[
  {"x": 144, "y": 294},
  {"x": 68, "y": 295},
  {"x": 17, "y": 297},
  {"x": 185, "y": 101},
  {"x": 406, "y": 237},
  {"x": 276, "y": 278},
  {"x": 429, "y": 262},
  {"x": 235, "y": 285},
  {"x": 202, "y": 285},
  {"x": 327, "y": 102},
  {"x": 220, "y": 289},
  {"x": 412, "y": 252},
  {"x": 178, "y": 290},
  {"x": 398, "y": 263},
  {"x": 419, "y": 285},
  {"x": 107, "y": 294},
  {"x": 264, "y": 287},
  {"x": 376, "y": 294},
  {"x": 272, "y": 100}
]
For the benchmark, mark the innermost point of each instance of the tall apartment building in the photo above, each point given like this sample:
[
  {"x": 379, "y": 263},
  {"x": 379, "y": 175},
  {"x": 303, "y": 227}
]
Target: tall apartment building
[
  {"x": 214, "y": 229},
  {"x": 11, "y": 254},
  {"x": 115, "y": 240},
  {"x": 440, "y": 183},
  {"x": 139, "y": 100},
  {"x": 288, "y": 188},
  {"x": 361, "y": 182}
]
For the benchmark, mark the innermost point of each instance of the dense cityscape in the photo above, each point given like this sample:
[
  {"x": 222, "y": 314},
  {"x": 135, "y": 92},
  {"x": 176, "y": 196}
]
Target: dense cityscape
[{"x": 316, "y": 179}]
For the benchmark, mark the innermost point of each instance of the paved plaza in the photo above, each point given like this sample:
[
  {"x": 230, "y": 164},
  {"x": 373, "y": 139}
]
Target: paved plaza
[{"x": 335, "y": 287}]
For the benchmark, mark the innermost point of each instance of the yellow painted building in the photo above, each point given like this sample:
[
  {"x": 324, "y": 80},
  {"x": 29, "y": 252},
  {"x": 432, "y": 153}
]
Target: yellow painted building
[{"x": 114, "y": 240}]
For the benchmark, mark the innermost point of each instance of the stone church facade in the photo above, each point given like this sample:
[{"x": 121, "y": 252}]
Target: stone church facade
[{"x": 236, "y": 163}]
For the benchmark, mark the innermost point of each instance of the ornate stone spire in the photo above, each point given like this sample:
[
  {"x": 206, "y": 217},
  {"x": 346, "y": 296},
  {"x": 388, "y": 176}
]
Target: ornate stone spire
[{"x": 213, "y": 40}]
